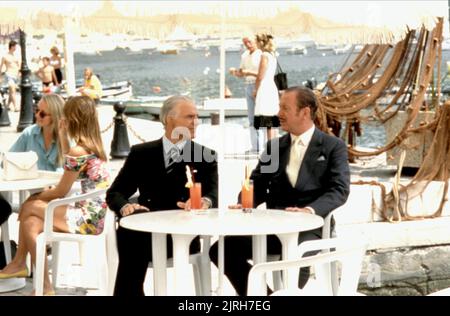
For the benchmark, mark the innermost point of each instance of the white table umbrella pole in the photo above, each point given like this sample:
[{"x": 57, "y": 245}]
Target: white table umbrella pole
[
  {"x": 69, "y": 40},
  {"x": 221, "y": 150},
  {"x": 221, "y": 265},
  {"x": 222, "y": 206}
]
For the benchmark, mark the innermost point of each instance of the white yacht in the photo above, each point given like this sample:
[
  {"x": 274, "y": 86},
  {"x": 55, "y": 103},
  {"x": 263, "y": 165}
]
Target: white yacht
[{"x": 297, "y": 50}]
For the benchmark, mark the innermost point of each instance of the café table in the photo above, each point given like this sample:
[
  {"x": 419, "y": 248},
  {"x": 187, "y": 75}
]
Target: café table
[
  {"x": 24, "y": 187},
  {"x": 184, "y": 226}
]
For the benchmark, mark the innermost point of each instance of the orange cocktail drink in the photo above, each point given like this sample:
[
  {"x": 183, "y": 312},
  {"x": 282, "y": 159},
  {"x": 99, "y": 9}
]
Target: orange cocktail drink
[
  {"x": 195, "y": 193},
  {"x": 247, "y": 195}
]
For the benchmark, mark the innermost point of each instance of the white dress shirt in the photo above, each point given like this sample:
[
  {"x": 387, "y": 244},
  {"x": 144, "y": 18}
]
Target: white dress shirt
[
  {"x": 299, "y": 145},
  {"x": 168, "y": 145}
]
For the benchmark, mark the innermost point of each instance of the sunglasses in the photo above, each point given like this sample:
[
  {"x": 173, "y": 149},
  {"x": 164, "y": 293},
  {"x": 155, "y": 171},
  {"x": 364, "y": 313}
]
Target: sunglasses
[{"x": 41, "y": 113}]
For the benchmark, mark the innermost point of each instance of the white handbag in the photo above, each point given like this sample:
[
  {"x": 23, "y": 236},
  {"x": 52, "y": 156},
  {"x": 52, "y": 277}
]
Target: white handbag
[{"x": 20, "y": 165}]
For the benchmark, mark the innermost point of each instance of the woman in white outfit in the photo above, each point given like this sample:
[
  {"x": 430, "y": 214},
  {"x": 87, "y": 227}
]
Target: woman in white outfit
[{"x": 266, "y": 92}]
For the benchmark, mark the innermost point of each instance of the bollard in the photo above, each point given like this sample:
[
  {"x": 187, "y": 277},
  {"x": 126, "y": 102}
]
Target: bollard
[
  {"x": 215, "y": 118},
  {"x": 37, "y": 96},
  {"x": 4, "y": 116},
  {"x": 120, "y": 145},
  {"x": 26, "y": 100}
]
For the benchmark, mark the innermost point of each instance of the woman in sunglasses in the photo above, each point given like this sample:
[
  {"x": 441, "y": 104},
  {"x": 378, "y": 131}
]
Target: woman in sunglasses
[{"x": 44, "y": 137}]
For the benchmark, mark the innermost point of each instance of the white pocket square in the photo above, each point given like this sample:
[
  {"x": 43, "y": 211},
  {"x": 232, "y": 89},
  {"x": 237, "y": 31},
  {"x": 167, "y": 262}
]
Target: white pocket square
[{"x": 321, "y": 158}]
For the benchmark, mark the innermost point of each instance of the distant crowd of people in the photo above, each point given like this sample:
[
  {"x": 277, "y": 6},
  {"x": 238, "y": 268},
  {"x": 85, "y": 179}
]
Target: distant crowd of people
[{"x": 50, "y": 74}]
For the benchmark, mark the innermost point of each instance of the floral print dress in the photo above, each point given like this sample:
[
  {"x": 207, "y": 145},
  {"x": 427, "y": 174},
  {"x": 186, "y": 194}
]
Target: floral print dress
[{"x": 88, "y": 217}]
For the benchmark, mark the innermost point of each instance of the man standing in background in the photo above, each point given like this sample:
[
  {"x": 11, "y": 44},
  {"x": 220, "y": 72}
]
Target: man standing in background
[
  {"x": 12, "y": 66},
  {"x": 250, "y": 60}
]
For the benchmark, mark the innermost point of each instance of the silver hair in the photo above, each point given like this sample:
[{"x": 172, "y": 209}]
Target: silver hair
[{"x": 170, "y": 104}]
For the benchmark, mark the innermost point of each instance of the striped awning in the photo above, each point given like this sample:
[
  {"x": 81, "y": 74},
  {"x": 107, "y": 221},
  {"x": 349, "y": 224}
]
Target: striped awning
[{"x": 324, "y": 21}]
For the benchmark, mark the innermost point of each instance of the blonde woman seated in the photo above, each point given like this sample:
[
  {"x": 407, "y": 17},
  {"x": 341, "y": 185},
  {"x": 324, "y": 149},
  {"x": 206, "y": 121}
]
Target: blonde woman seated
[
  {"x": 86, "y": 161},
  {"x": 44, "y": 137}
]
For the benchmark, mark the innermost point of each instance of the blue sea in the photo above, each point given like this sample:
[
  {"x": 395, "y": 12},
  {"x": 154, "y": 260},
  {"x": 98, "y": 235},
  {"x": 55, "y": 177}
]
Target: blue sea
[{"x": 197, "y": 72}]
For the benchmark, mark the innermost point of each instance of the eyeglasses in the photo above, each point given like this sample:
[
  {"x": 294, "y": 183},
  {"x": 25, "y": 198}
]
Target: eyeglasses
[{"x": 41, "y": 113}]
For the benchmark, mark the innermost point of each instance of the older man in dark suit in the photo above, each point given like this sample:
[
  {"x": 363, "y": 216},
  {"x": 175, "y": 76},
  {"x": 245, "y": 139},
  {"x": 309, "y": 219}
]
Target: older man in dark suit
[
  {"x": 157, "y": 169},
  {"x": 305, "y": 170}
]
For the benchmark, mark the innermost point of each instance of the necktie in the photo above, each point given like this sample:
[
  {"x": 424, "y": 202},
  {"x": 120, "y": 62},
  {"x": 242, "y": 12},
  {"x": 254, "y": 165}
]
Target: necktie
[
  {"x": 295, "y": 160},
  {"x": 174, "y": 156}
]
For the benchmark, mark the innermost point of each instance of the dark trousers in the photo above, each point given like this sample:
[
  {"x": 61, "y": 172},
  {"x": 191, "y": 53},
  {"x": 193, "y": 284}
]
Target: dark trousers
[
  {"x": 135, "y": 253},
  {"x": 5, "y": 210},
  {"x": 238, "y": 250}
]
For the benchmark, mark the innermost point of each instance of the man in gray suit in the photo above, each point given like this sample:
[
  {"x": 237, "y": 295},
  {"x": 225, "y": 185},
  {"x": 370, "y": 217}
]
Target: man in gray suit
[
  {"x": 157, "y": 169},
  {"x": 305, "y": 170}
]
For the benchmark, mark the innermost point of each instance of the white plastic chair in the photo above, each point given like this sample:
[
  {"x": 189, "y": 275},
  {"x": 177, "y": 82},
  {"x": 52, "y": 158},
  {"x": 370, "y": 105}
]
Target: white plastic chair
[
  {"x": 6, "y": 241},
  {"x": 104, "y": 242},
  {"x": 23, "y": 195},
  {"x": 350, "y": 256},
  {"x": 332, "y": 268},
  {"x": 327, "y": 232}
]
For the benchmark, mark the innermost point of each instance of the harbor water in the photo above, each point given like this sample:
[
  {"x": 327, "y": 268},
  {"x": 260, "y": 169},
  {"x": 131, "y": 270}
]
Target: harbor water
[{"x": 196, "y": 71}]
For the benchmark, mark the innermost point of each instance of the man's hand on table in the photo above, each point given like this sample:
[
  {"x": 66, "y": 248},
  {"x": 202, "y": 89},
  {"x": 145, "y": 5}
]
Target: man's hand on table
[{"x": 131, "y": 208}]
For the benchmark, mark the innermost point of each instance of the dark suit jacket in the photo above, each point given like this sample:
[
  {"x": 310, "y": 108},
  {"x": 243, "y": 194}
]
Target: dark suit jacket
[
  {"x": 144, "y": 170},
  {"x": 324, "y": 176}
]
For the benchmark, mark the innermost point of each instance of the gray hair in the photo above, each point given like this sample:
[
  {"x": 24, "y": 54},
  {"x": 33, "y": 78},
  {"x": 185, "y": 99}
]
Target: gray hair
[{"x": 170, "y": 104}]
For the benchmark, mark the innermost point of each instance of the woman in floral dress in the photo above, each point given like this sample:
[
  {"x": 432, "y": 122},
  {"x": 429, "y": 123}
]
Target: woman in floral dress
[{"x": 85, "y": 162}]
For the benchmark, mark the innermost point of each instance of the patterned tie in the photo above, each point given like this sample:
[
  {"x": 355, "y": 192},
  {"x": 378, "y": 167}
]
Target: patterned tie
[
  {"x": 174, "y": 156},
  {"x": 295, "y": 160}
]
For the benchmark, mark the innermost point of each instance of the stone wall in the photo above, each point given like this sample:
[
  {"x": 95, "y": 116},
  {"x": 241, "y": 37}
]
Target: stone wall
[
  {"x": 406, "y": 271},
  {"x": 420, "y": 142}
]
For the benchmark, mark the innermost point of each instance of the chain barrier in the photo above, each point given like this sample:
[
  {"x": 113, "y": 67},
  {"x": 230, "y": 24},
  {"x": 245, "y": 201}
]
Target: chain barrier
[
  {"x": 125, "y": 119},
  {"x": 107, "y": 127}
]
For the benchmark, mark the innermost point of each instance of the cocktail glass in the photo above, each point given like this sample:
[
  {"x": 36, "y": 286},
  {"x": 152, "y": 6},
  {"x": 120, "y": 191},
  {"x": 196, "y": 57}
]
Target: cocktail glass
[
  {"x": 195, "y": 193},
  {"x": 247, "y": 196}
]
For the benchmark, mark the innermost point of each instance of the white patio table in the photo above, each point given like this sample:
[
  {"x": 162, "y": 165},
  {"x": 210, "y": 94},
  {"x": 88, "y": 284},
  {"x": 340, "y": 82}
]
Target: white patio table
[
  {"x": 185, "y": 226},
  {"x": 24, "y": 187}
]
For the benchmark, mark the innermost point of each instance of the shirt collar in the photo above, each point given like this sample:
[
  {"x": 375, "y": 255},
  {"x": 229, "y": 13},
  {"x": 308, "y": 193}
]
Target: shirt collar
[
  {"x": 305, "y": 137},
  {"x": 37, "y": 130},
  {"x": 167, "y": 144}
]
